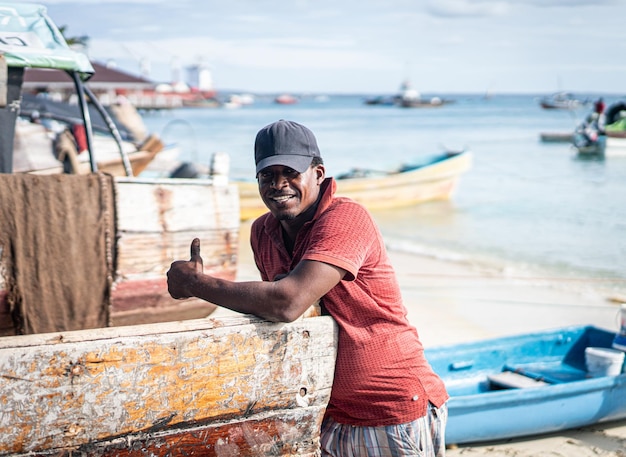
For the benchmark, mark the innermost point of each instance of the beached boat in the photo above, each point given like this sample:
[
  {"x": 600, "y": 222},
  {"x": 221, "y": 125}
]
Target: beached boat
[
  {"x": 434, "y": 179},
  {"x": 206, "y": 387},
  {"x": 50, "y": 138},
  {"x": 37, "y": 150},
  {"x": 126, "y": 230},
  {"x": 151, "y": 222},
  {"x": 86, "y": 251},
  {"x": 528, "y": 384}
]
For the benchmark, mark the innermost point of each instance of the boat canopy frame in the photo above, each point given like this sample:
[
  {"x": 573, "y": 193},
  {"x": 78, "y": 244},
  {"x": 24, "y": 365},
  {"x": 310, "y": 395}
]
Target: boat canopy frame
[{"x": 30, "y": 39}]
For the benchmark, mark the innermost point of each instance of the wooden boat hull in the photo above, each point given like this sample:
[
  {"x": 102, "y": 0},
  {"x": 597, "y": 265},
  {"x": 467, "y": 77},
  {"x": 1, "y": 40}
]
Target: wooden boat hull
[
  {"x": 34, "y": 153},
  {"x": 478, "y": 411},
  {"x": 156, "y": 221},
  {"x": 208, "y": 387},
  {"x": 436, "y": 181}
]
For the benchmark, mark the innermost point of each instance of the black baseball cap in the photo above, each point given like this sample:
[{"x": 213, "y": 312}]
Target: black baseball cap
[{"x": 285, "y": 143}]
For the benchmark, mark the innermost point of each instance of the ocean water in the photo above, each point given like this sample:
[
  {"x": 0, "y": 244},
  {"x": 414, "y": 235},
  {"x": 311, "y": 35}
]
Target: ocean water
[{"x": 525, "y": 207}]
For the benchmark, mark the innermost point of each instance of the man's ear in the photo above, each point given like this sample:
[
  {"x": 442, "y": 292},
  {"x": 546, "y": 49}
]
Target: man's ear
[{"x": 320, "y": 173}]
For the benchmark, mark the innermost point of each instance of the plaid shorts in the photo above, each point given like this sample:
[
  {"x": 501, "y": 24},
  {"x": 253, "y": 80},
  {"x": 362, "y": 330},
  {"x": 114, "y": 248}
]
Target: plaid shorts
[{"x": 424, "y": 437}]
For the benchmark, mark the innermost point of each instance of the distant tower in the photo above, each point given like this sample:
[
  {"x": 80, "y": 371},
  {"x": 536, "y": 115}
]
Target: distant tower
[
  {"x": 199, "y": 76},
  {"x": 145, "y": 67},
  {"x": 175, "y": 66}
]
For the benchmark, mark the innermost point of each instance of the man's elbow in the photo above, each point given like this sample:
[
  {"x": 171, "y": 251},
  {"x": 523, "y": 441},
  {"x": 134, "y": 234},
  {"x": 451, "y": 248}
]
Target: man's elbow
[
  {"x": 286, "y": 306},
  {"x": 288, "y": 311},
  {"x": 285, "y": 315}
]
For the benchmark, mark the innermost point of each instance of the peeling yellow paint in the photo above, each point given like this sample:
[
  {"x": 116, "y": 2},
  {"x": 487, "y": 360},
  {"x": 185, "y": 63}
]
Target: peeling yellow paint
[{"x": 68, "y": 394}]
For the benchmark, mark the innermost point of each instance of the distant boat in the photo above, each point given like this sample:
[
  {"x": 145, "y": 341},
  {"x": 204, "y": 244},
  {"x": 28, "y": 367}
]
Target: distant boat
[
  {"x": 606, "y": 137},
  {"x": 435, "y": 179},
  {"x": 238, "y": 100},
  {"x": 200, "y": 102},
  {"x": 556, "y": 137},
  {"x": 530, "y": 384},
  {"x": 434, "y": 102},
  {"x": 286, "y": 99},
  {"x": 408, "y": 98},
  {"x": 615, "y": 129},
  {"x": 562, "y": 100},
  {"x": 380, "y": 100}
]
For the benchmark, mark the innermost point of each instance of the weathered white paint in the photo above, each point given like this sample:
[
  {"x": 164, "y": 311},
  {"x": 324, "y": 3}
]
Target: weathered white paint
[{"x": 69, "y": 389}]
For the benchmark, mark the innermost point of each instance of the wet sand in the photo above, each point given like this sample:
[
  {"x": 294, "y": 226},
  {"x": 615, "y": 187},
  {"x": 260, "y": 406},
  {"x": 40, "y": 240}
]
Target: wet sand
[{"x": 450, "y": 302}]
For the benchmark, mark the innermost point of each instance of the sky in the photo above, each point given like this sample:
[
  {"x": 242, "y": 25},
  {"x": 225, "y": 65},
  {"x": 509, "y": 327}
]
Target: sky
[{"x": 361, "y": 46}]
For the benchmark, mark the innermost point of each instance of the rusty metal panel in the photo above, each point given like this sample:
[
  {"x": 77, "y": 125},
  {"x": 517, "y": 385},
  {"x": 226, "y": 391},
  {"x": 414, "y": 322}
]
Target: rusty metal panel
[{"x": 67, "y": 390}]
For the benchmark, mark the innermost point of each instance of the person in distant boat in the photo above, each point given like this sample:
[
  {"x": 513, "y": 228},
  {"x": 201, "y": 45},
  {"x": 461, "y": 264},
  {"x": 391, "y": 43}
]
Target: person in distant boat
[
  {"x": 313, "y": 246},
  {"x": 598, "y": 117},
  {"x": 599, "y": 106}
]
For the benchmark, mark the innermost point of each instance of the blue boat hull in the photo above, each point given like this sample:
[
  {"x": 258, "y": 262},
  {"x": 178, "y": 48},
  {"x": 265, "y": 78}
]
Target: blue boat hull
[{"x": 480, "y": 411}]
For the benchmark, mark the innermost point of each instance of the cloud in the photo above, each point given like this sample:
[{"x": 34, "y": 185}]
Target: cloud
[
  {"x": 489, "y": 8},
  {"x": 467, "y": 8},
  {"x": 304, "y": 43}
]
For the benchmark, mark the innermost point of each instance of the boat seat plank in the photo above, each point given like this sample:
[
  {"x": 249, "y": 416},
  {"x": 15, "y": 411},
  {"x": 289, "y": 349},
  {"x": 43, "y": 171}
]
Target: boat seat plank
[
  {"x": 551, "y": 372},
  {"x": 512, "y": 380}
]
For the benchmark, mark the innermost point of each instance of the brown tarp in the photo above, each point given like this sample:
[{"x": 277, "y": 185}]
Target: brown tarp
[{"x": 57, "y": 234}]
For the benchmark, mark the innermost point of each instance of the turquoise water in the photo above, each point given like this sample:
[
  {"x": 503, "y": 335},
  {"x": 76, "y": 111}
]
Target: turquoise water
[{"x": 525, "y": 206}]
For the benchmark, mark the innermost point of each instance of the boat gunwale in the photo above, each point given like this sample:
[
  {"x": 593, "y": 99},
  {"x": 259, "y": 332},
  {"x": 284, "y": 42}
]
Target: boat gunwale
[
  {"x": 140, "y": 330},
  {"x": 500, "y": 398},
  {"x": 571, "y": 387}
]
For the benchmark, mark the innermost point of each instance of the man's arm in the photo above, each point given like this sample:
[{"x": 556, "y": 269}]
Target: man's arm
[{"x": 283, "y": 300}]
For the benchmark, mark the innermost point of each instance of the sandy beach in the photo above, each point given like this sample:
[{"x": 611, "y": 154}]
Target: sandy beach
[{"x": 451, "y": 302}]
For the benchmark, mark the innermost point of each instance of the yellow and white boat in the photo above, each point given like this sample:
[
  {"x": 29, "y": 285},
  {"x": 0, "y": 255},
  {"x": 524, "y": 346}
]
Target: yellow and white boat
[{"x": 411, "y": 184}]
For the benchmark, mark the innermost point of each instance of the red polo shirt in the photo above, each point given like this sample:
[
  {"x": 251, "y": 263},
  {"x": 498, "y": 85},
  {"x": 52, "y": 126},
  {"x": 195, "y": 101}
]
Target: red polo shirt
[{"x": 381, "y": 374}]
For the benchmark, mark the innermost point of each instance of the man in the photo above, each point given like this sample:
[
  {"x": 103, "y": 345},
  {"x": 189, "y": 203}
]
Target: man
[{"x": 386, "y": 400}]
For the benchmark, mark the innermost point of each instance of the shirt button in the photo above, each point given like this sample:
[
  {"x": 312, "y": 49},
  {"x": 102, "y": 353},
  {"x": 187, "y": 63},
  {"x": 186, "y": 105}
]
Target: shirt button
[{"x": 415, "y": 397}]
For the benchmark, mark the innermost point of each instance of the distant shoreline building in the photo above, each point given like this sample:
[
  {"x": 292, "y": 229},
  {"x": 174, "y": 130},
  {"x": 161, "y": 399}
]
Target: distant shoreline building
[
  {"x": 199, "y": 76},
  {"x": 109, "y": 84}
]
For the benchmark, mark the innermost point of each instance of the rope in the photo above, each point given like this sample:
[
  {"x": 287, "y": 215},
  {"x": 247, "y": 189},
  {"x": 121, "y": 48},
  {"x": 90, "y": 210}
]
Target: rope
[{"x": 108, "y": 237}]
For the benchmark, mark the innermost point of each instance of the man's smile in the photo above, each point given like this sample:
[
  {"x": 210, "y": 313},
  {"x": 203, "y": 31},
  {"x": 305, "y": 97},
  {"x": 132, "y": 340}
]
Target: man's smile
[{"x": 281, "y": 198}]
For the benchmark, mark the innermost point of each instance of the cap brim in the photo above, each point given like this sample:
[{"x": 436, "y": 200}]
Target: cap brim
[{"x": 297, "y": 162}]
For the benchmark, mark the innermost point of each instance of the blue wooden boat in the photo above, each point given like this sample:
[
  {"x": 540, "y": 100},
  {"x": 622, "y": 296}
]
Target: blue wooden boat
[{"x": 526, "y": 385}]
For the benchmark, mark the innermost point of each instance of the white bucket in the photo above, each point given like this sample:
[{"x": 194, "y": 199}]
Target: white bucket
[{"x": 603, "y": 361}]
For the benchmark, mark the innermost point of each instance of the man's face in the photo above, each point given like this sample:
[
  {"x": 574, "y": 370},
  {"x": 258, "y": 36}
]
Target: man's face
[{"x": 288, "y": 193}]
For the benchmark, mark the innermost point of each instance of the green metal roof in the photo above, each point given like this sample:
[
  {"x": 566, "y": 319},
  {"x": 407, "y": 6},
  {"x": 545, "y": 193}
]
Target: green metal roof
[{"x": 29, "y": 38}]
